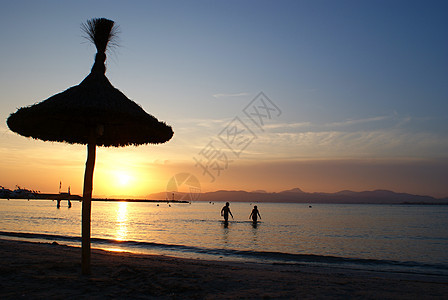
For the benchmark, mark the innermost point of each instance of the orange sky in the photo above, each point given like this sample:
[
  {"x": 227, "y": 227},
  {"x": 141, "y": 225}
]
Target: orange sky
[{"x": 140, "y": 171}]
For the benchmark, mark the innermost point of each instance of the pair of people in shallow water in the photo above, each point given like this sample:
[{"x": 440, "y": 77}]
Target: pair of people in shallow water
[{"x": 225, "y": 211}]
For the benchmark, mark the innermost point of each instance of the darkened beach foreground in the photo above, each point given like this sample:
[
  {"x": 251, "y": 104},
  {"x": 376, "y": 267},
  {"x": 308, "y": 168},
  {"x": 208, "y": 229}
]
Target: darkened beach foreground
[{"x": 52, "y": 271}]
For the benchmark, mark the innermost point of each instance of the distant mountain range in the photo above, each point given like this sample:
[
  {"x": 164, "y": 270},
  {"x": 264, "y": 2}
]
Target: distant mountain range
[{"x": 296, "y": 195}]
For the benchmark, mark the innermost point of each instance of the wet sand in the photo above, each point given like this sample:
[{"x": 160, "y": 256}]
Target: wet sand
[{"x": 47, "y": 271}]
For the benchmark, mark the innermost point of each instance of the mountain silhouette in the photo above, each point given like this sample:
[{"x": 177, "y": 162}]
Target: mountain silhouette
[{"x": 296, "y": 195}]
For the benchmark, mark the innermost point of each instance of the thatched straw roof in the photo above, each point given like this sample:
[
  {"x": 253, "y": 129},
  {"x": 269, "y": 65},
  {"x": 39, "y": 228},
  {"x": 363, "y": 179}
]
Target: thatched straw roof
[{"x": 92, "y": 106}]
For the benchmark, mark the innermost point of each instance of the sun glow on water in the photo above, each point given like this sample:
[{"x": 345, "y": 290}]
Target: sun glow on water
[{"x": 122, "y": 221}]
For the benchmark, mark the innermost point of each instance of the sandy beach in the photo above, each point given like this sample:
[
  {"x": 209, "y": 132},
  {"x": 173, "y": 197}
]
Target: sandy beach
[{"x": 52, "y": 271}]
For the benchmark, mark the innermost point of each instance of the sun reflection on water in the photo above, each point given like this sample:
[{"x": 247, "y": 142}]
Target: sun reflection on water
[
  {"x": 122, "y": 221},
  {"x": 117, "y": 250}
]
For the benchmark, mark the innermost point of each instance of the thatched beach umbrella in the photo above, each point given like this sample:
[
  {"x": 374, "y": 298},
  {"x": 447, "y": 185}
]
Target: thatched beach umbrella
[{"x": 93, "y": 113}]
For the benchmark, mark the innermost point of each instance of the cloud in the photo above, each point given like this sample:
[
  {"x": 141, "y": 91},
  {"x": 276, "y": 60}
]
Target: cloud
[
  {"x": 288, "y": 126},
  {"x": 351, "y": 125},
  {"x": 375, "y": 123},
  {"x": 230, "y": 95},
  {"x": 358, "y": 121},
  {"x": 378, "y": 136}
]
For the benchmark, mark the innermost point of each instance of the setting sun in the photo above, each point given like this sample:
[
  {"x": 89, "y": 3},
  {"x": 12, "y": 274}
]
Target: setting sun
[{"x": 123, "y": 178}]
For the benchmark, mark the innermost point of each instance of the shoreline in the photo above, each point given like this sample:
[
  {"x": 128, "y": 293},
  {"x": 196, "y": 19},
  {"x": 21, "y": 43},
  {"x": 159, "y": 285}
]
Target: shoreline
[
  {"x": 74, "y": 199},
  {"x": 242, "y": 256},
  {"x": 44, "y": 270}
]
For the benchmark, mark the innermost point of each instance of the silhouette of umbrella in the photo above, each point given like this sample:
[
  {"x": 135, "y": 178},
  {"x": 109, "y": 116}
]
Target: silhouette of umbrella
[{"x": 93, "y": 113}]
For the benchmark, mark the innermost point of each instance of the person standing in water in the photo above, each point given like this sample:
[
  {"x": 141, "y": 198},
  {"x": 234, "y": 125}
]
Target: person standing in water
[
  {"x": 225, "y": 211},
  {"x": 255, "y": 214}
]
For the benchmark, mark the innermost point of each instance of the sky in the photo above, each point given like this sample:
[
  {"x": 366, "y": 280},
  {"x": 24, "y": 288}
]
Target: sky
[{"x": 262, "y": 95}]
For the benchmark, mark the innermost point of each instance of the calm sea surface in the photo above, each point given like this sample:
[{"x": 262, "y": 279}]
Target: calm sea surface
[{"x": 412, "y": 238}]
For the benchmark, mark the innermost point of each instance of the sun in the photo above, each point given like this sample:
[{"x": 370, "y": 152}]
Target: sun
[
  {"x": 127, "y": 178},
  {"x": 123, "y": 178}
]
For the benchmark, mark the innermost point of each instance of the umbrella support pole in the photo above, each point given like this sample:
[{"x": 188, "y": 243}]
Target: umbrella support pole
[{"x": 86, "y": 208}]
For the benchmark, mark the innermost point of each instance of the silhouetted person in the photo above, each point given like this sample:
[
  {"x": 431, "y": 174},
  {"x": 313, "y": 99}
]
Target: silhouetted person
[
  {"x": 225, "y": 211},
  {"x": 255, "y": 214}
]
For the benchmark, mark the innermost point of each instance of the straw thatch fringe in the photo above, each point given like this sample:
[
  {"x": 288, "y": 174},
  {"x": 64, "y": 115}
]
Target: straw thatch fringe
[
  {"x": 71, "y": 115},
  {"x": 101, "y": 32}
]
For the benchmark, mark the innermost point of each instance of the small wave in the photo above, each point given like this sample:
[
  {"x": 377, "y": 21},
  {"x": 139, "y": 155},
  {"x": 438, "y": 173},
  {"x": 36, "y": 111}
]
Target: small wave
[
  {"x": 257, "y": 256},
  {"x": 43, "y": 236}
]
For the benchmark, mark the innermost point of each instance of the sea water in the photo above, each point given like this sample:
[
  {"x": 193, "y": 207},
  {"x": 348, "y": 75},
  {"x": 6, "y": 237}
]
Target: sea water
[{"x": 405, "y": 238}]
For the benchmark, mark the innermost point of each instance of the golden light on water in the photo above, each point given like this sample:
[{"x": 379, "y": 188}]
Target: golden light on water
[
  {"x": 115, "y": 250},
  {"x": 122, "y": 221}
]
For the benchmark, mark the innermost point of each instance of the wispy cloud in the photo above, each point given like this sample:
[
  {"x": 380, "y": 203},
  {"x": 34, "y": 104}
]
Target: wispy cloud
[
  {"x": 377, "y": 136},
  {"x": 283, "y": 126},
  {"x": 193, "y": 124},
  {"x": 376, "y": 123},
  {"x": 230, "y": 95},
  {"x": 351, "y": 122},
  {"x": 387, "y": 143}
]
